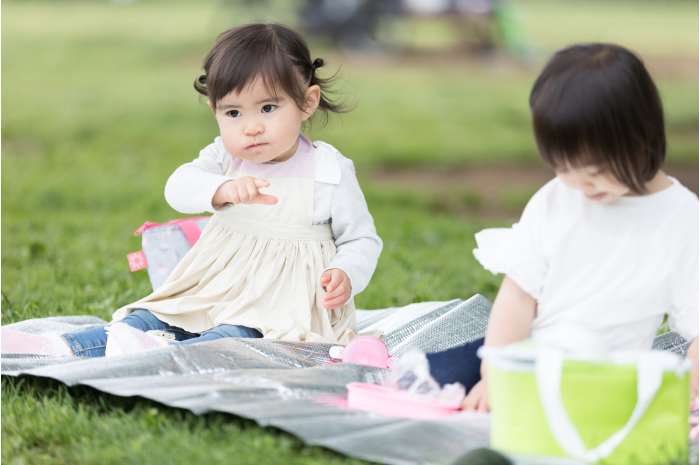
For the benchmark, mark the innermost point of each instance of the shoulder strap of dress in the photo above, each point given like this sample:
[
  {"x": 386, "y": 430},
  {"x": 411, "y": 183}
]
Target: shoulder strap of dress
[{"x": 327, "y": 163}]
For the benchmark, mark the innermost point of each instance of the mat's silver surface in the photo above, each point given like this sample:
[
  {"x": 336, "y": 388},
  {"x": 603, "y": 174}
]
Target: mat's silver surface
[{"x": 288, "y": 385}]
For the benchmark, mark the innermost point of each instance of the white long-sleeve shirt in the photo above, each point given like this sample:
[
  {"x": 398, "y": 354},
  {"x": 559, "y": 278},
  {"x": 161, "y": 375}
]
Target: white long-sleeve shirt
[{"x": 338, "y": 200}]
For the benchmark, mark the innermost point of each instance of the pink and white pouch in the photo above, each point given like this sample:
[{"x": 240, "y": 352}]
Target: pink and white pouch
[{"x": 163, "y": 245}]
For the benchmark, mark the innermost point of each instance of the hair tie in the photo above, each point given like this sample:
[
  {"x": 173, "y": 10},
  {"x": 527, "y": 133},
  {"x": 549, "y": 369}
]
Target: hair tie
[
  {"x": 202, "y": 80},
  {"x": 318, "y": 62}
]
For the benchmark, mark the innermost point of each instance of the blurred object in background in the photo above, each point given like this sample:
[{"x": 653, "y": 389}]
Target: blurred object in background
[
  {"x": 346, "y": 23},
  {"x": 480, "y": 26}
]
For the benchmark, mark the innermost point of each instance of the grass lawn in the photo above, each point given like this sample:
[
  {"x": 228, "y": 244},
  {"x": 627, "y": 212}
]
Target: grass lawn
[{"x": 98, "y": 109}]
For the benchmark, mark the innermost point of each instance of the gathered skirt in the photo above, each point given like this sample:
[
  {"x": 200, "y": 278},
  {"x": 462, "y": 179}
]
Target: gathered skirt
[{"x": 254, "y": 274}]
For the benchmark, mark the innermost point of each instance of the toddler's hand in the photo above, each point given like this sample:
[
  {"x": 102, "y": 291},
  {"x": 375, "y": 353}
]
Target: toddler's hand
[
  {"x": 243, "y": 190},
  {"x": 337, "y": 286},
  {"x": 477, "y": 399}
]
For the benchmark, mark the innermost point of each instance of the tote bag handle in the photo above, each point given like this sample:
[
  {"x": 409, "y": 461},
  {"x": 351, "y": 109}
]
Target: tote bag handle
[{"x": 548, "y": 371}]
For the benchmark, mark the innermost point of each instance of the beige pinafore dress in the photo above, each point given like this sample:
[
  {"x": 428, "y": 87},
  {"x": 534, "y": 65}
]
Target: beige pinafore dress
[{"x": 258, "y": 265}]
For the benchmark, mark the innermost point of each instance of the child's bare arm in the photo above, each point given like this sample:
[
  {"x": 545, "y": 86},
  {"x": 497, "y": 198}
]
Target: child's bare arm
[{"x": 511, "y": 317}]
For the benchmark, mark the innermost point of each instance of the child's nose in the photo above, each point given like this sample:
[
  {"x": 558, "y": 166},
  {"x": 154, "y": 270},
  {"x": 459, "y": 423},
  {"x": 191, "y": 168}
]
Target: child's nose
[{"x": 254, "y": 129}]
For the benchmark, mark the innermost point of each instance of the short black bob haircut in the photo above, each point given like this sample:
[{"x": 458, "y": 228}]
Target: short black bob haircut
[{"x": 596, "y": 104}]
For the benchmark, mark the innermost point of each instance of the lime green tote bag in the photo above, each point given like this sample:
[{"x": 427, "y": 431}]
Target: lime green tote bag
[{"x": 623, "y": 409}]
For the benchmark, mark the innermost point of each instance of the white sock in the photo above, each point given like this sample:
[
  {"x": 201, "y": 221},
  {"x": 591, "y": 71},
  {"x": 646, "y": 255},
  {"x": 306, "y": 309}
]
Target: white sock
[
  {"x": 123, "y": 339},
  {"x": 19, "y": 342}
]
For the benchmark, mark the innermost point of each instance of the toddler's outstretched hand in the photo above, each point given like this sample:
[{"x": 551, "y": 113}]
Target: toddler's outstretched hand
[
  {"x": 243, "y": 190},
  {"x": 337, "y": 286},
  {"x": 478, "y": 398}
]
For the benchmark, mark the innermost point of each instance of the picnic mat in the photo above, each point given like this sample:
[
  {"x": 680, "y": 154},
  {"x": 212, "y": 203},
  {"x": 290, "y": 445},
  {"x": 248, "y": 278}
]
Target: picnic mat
[{"x": 291, "y": 386}]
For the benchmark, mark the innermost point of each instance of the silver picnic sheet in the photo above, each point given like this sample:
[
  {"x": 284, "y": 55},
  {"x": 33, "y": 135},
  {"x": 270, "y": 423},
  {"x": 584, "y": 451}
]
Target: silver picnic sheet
[{"x": 293, "y": 386}]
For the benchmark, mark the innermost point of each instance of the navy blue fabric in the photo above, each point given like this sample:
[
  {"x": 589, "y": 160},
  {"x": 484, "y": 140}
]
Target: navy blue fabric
[{"x": 457, "y": 365}]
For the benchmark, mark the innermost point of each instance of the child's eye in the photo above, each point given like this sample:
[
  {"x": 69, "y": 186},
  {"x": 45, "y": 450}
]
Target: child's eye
[
  {"x": 233, "y": 113},
  {"x": 269, "y": 108}
]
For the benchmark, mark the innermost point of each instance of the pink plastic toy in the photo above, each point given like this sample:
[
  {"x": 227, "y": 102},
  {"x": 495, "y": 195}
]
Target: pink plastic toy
[
  {"x": 367, "y": 350},
  {"x": 390, "y": 401}
]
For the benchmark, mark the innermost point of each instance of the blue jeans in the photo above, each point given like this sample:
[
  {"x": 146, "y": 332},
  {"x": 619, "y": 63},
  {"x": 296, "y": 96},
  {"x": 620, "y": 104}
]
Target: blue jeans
[{"x": 91, "y": 342}]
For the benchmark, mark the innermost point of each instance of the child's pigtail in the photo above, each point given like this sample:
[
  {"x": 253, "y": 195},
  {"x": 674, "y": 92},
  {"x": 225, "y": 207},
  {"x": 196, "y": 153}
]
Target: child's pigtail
[
  {"x": 326, "y": 104},
  {"x": 200, "y": 85}
]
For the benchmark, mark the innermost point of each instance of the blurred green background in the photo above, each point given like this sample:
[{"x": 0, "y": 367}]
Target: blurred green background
[{"x": 98, "y": 110}]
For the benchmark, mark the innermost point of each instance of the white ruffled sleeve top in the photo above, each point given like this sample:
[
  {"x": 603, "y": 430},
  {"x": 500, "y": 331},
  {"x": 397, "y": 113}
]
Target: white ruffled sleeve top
[
  {"x": 338, "y": 200},
  {"x": 602, "y": 274}
]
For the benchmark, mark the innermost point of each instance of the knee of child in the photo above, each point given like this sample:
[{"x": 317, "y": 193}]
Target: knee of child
[
  {"x": 225, "y": 330},
  {"x": 142, "y": 319}
]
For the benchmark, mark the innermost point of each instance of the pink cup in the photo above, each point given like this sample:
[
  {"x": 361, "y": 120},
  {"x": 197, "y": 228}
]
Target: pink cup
[{"x": 367, "y": 350}]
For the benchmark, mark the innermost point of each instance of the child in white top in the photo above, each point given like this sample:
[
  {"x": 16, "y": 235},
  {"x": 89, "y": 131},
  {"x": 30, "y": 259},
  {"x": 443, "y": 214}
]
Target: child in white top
[
  {"x": 291, "y": 240},
  {"x": 608, "y": 247}
]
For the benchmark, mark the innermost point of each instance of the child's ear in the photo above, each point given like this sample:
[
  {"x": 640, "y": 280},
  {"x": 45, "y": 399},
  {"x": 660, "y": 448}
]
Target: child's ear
[
  {"x": 312, "y": 99},
  {"x": 211, "y": 107}
]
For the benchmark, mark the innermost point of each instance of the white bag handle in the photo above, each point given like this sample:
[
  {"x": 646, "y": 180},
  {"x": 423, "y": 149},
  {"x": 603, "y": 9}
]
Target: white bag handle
[{"x": 548, "y": 369}]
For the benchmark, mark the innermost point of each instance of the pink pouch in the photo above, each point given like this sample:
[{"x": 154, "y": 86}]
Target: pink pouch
[
  {"x": 385, "y": 400},
  {"x": 164, "y": 244}
]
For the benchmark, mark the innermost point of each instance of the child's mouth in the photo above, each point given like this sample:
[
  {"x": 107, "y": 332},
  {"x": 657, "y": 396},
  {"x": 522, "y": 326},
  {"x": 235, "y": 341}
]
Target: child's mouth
[{"x": 255, "y": 146}]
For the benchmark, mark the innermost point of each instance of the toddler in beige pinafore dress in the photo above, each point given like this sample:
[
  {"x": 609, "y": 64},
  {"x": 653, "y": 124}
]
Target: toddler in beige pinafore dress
[
  {"x": 258, "y": 265},
  {"x": 289, "y": 217}
]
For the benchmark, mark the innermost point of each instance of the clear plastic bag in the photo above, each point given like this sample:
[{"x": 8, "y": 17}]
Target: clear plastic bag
[{"x": 411, "y": 373}]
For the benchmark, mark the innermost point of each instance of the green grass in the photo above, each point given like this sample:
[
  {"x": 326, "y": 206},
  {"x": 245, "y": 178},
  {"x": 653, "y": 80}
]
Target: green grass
[
  {"x": 547, "y": 25},
  {"x": 645, "y": 25},
  {"x": 98, "y": 109}
]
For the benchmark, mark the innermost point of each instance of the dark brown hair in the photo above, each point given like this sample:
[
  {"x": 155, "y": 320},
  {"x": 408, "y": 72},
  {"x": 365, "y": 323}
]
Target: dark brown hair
[
  {"x": 272, "y": 52},
  {"x": 595, "y": 104}
]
